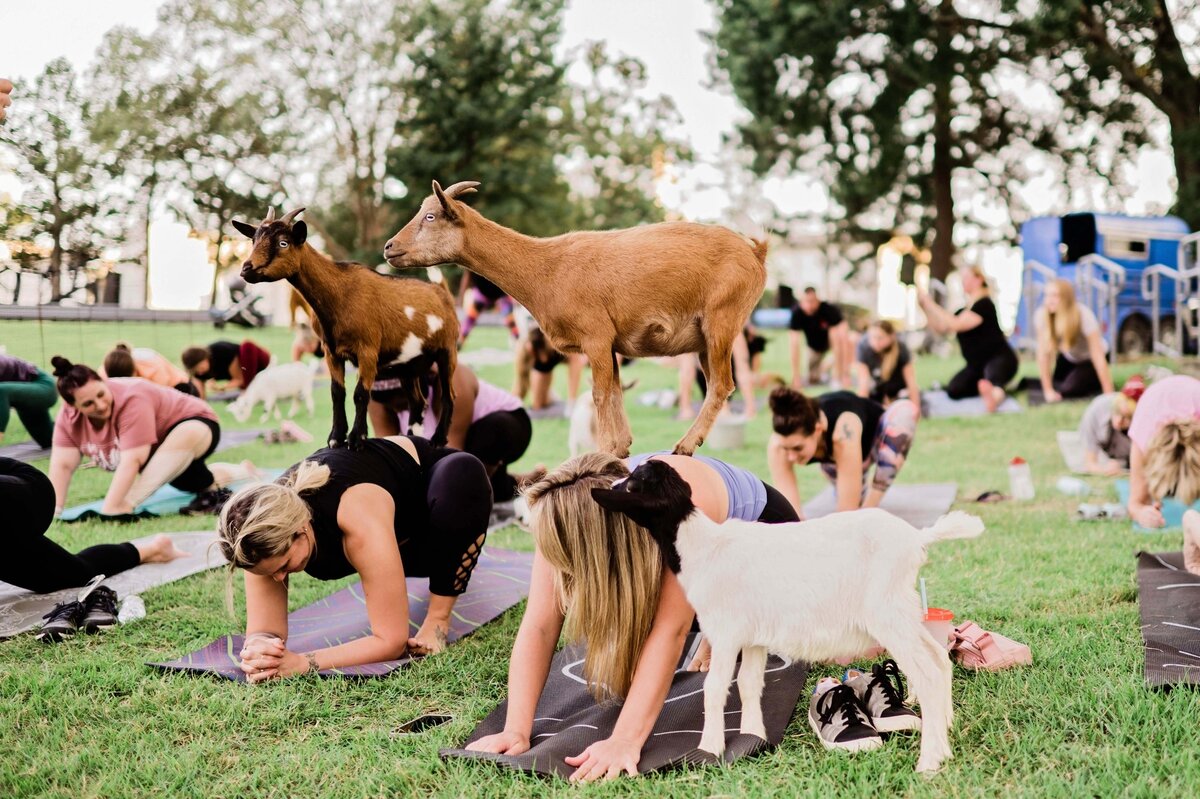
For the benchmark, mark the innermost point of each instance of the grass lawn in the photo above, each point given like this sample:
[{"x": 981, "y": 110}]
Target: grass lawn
[{"x": 86, "y": 718}]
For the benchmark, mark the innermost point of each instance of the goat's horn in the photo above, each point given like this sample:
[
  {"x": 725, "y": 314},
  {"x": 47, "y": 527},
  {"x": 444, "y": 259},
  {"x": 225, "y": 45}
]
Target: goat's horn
[
  {"x": 291, "y": 215},
  {"x": 270, "y": 215},
  {"x": 462, "y": 187}
]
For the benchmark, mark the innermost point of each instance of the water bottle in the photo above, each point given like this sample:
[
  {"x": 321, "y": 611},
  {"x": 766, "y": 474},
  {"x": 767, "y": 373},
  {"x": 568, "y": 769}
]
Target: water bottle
[
  {"x": 131, "y": 608},
  {"x": 1073, "y": 486},
  {"x": 1020, "y": 479}
]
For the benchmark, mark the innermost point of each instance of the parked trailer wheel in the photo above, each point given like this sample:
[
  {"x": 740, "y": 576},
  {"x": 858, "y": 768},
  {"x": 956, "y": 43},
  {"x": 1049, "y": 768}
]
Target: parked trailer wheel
[{"x": 1135, "y": 336}]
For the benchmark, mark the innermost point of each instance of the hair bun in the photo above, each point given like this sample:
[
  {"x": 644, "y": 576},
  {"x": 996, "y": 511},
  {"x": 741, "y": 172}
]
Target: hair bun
[
  {"x": 121, "y": 345},
  {"x": 61, "y": 365},
  {"x": 787, "y": 401}
]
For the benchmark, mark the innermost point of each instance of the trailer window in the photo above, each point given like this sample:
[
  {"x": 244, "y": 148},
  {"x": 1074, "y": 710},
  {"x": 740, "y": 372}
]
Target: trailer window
[{"x": 1126, "y": 248}]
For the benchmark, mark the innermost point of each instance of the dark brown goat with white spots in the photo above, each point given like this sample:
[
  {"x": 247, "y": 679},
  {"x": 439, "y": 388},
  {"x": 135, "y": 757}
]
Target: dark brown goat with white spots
[
  {"x": 663, "y": 289},
  {"x": 374, "y": 321}
]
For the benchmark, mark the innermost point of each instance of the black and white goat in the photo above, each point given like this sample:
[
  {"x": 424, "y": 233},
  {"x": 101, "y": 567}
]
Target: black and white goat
[{"x": 816, "y": 590}]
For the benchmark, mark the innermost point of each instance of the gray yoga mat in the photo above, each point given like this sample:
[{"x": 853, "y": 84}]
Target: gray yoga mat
[
  {"x": 938, "y": 404},
  {"x": 555, "y": 410},
  {"x": 22, "y": 610},
  {"x": 486, "y": 356},
  {"x": 919, "y": 504},
  {"x": 568, "y": 720},
  {"x": 1169, "y": 603},
  {"x": 29, "y": 451}
]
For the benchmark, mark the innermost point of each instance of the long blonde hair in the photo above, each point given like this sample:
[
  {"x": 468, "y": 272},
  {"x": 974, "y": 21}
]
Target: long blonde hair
[
  {"x": 1172, "y": 461},
  {"x": 1061, "y": 328},
  {"x": 889, "y": 357},
  {"x": 608, "y": 570},
  {"x": 262, "y": 520}
]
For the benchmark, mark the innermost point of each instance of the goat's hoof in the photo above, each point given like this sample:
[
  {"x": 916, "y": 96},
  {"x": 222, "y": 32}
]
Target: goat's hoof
[
  {"x": 929, "y": 765},
  {"x": 757, "y": 730},
  {"x": 681, "y": 449},
  {"x": 716, "y": 747}
]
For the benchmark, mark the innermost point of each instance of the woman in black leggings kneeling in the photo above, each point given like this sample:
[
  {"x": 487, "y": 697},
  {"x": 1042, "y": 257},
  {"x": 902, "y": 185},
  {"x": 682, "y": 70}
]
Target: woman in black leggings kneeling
[{"x": 398, "y": 508}]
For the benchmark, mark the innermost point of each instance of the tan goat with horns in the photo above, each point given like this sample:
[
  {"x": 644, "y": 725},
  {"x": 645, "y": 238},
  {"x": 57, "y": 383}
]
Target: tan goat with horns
[
  {"x": 372, "y": 320},
  {"x": 663, "y": 289}
]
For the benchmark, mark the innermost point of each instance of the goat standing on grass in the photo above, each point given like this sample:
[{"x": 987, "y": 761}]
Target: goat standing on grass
[
  {"x": 372, "y": 320},
  {"x": 662, "y": 289},
  {"x": 817, "y": 590}
]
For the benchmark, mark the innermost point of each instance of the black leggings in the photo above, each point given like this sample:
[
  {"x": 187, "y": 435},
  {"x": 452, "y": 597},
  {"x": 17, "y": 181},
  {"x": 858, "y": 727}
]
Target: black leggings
[
  {"x": 998, "y": 370},
  {"x": 459, "y": 498},
  {"x": 778, "y": 509},
  {"x": 1075, "y": 380},
  {"x": 498, "y": 439},
  {"x": 34, "y": 562}
]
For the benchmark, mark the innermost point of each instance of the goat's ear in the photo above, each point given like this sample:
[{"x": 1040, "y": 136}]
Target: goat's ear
[
  {"x": 245, "y": 229},
  {"x": 447, "y": 203},
  {"x": 299, "y": 234},
  {"x": 622, "y": 501}
]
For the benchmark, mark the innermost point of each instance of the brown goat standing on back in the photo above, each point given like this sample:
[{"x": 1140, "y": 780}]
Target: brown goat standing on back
[
  {"x": 662, "y": 289},
  {"x": 372, "y": 320}
]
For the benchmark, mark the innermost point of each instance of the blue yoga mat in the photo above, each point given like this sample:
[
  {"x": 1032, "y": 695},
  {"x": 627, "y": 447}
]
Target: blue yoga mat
[
  {"x": 1172, "y": 510},
  {"x": 166, "y": 501}
]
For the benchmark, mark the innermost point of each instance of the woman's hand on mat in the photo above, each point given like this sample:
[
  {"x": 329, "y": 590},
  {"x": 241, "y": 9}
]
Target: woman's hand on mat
[
  {"x": 264, "y": 658},
  {"x": 605, "y": 760},
  {"x": 1148, "y": 516},
  {"x": 430, "y": 639},
  {"x": 1051, "y": 395},
  {"x": 502, "y": 743},
  {"x": 703, "y": 656}
]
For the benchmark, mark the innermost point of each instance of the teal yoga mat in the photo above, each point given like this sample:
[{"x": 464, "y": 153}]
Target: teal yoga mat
[
  {"x": 1172, "y": 510},
  {"x": 166, "y": 501}
]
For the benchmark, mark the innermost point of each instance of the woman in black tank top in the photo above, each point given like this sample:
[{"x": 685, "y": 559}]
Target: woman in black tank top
[
  {"x": 398, "y": 508},
  {"x": 846, "y": 434}
]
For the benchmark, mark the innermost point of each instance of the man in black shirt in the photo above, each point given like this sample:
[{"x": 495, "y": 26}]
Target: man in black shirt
[{"x": 825, "y": 329}]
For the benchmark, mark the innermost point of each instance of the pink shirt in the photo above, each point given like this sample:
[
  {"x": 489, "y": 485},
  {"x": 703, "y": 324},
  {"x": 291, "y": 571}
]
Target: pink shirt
[
  {"x": 490, "y": 399},
  {"x": 142, "y": 414},
  {"x": 1176, "y": 397}
]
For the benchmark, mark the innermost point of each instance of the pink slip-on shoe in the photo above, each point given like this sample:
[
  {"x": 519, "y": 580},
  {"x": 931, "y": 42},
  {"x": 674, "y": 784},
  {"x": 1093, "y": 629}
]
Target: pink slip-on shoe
[{"x": 976, "y": 648}]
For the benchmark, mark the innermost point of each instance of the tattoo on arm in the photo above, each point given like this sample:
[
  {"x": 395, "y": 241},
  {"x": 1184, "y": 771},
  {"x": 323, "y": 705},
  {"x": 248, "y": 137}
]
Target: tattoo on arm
[{"x": 843, "y": 431}]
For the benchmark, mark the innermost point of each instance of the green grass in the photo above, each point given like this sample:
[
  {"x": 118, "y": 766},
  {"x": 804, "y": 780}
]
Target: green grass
[{"x": 88, "y": 719}]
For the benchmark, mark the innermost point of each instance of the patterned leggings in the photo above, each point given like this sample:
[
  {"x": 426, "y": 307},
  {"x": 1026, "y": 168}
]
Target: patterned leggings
[
  {"x": 893, "y": 439},
  {"x": 476, "y": 302}
]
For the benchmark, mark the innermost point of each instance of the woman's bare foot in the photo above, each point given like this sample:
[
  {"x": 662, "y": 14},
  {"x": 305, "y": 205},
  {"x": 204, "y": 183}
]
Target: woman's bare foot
[
  {"x": 1191, "y": 541},
  {"x": 160, "y": 549},
  {"x": 431, "y": 638},
  {"x": 991, "y": 394}
]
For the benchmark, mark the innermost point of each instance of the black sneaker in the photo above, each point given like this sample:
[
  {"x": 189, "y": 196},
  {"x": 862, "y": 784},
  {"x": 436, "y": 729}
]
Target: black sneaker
[
  {"x": 99, "y": 610},
  {"x": 882, "y": 693},
  {"x": 840, "y": 721},
  {"x": 62, "y": 622},
  {"x": 207, "y": 502}
]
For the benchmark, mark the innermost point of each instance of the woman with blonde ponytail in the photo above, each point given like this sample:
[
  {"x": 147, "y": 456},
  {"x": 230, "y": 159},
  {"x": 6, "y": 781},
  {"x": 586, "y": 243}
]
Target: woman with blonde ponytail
[
  {"x": 883, "y": 366},
  {"x": 600, "y": 577},
  {"x": 397, "y": 508}
]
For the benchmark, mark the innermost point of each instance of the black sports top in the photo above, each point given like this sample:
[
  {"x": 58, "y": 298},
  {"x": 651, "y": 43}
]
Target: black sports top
[
  {"x": 986, "y": 340},
  {"x": 486, "y": 287},
  {"x": 220, "y": 358},
  {"x": 382, "y": 463},
  {"x": 834, "y": 404}
]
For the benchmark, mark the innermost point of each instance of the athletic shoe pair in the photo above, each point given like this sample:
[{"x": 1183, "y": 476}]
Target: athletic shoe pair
[
  {"x": 207, "y": 502},
  {"x": 849, "y": 714},
  {"x": 94, "y": 611}
]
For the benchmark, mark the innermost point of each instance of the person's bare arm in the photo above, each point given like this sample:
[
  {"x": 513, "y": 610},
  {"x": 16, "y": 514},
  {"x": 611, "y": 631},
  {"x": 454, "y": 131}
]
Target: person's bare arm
[
  {"x": 384, "y": 420},
  {"x": 1142, "y": 507},
  {"x": 466, "y": 389},
  {"x": 862, "y": 379},
  {"x": 132, "y": 461},
  {"x": 1045, "y": 357},
  {"x": 1100, "y": 360},
  {"x": 783, "y": 473},
  {"x": 6, "y": 88},
  {"x": 529, "y": 663},
  {"x": 847, "y": 454},
  {"x": 910, "y": 382},
  {"x": 236, "y": 380},
  {"x": 63, "y": 463},
  {"x": 794, "y": 354}
]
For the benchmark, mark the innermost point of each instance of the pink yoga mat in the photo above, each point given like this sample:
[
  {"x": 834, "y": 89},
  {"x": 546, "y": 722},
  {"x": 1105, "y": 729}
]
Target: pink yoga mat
[{"x": 500, "y": 580}]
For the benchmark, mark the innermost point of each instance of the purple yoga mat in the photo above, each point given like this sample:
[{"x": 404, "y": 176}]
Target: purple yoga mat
[{"x": 500, "y": 580}]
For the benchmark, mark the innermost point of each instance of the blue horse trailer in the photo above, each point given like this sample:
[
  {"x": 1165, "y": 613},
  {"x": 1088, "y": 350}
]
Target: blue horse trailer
[{"x": 1112, "y": 260}]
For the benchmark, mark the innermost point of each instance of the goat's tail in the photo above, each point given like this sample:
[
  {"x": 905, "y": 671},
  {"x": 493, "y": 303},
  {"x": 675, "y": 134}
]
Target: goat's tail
[
  {"x": 760, "y": 249},
  {"x": 955, "y": 524}
]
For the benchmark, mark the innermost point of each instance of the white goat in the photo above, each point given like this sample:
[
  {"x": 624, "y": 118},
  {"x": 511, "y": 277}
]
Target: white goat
[
  {"x": 815, "y": 590},
  {"x": 273, "y": 384}
]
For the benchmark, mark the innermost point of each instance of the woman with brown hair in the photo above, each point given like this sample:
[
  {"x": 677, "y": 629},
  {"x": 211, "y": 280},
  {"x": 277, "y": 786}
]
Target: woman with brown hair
[
  {"x": 1068, "y": 336},
  {"x": 883, "y": 366},
  {"x": 991, "y": 362},
  {"x": 602, "y": 577}
]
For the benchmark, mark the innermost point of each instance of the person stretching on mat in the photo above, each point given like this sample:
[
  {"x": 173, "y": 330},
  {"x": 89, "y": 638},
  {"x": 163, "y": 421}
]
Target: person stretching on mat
[
  {"x": 487, "y": 422},
  {"x": 1164, "y": 459},
  {"x": 1068, "y": 336},
  {"x": 238, "y": 364},
  {"x": 29, "y": 391},
  {"x": 991, "y": 363},
  {"x": 846, "y": 434},
  {"x": 883, "y": 366},
  {"x": 602, "y": 575},
  {"x": 825, "y": 328},
  {"x": 398, "y": 508},
  {"x": 124, "y": 361},
  {"x": 1104, "y": 429},
  {"x": 147, "y": 435}
]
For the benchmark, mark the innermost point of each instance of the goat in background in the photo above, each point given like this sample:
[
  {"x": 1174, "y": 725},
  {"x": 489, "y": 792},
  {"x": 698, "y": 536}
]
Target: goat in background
[
  {"x": 372, "y": 320},
  {"x": 662, "y": 289},
  {"x": 816, "y": 590}
]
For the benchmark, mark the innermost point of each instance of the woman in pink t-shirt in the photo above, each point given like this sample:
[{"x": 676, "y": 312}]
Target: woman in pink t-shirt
[
  {"x": 487, "y": 422},
  {"x": 148, "y": 435},
  {"x": 1164, "y": 458}
]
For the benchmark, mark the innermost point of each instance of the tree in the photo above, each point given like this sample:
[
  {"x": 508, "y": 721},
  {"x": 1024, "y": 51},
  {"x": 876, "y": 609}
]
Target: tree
[
  {"x": 897, "y": 104},
  {"x": 65, "y": 209},
  {"x": 1110, "y": 52}
]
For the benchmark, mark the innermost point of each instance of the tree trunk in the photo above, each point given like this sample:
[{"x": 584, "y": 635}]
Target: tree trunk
[
  {"x": 942, "y": 251},
  {"x": 1185, "y": 141},
  {"x": 55, "y": 272},
  {"x": 217, "y": 260},
  {"x": 151, "y": 182}
]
